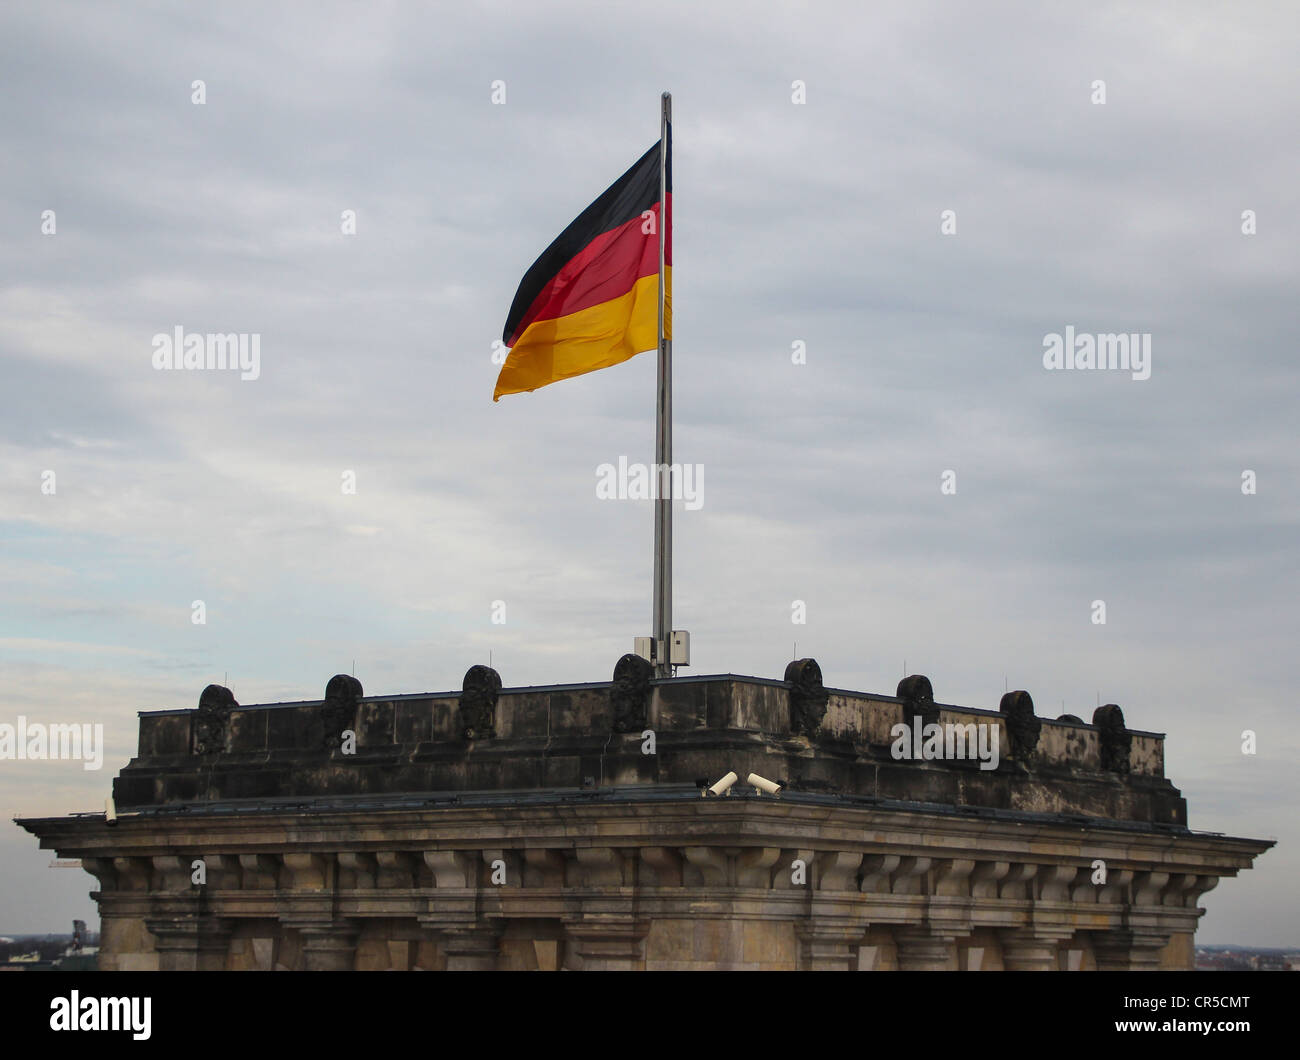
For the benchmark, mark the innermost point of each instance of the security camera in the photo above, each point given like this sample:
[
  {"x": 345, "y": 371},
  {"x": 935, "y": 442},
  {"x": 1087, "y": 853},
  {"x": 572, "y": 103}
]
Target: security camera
[
  {"x": 724, "y": 784},
  {"x": 110, "y": 811},
  {"x": 763, "y": 784}
]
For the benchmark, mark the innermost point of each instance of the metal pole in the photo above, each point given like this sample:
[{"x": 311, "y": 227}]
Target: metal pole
[{"x": 663, "y": 569}]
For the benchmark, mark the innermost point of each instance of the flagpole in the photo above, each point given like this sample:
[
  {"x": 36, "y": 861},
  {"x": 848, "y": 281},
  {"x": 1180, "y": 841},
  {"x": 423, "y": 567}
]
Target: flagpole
[{"x": 663, "y": 567}]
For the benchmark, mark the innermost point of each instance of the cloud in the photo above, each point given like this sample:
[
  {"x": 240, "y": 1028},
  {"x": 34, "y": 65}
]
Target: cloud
[{"x": 815, "y": 223}]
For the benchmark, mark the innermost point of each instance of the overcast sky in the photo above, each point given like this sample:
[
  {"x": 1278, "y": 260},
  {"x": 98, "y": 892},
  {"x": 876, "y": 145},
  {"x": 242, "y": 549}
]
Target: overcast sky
[{"x": 815, "y": 222}]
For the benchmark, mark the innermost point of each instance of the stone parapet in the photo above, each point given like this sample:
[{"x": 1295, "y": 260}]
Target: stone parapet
[{"x": 491, "y": 739}]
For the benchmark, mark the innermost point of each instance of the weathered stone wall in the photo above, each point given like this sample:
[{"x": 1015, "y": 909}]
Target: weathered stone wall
[
  {"x": 682, "y": 944},
  {"x": 683, "y": 705},
  {"x": 563, "y": 736},
  {"x": 689, "y": 883}
]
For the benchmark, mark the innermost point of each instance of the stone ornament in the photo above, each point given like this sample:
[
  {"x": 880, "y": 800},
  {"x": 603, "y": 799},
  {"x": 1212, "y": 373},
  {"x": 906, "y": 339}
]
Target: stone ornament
[
  {"x": 629, "y": 695},
  {"x": 1023, "y": 727},
  {"x": 212, "y": 722},
  {"x": 478, "y": 703},
  {"x": 917, "y": 695},
  {"x": 1116, "y": 740},
  {"x": 339, "y": 711},
  {"x": 808, "y": 696}
]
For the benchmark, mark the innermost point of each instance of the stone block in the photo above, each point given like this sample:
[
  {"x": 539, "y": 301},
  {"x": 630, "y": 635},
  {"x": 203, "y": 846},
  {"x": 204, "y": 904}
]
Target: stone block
[
  {"x": 718, "y": 942},
  {"x": 670, "y": 940},
  {"x": 768, "y": 941}
]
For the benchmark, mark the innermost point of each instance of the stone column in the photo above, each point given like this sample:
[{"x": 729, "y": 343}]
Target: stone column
[
  {"x": 124, "y": 939},
  {"x": 327, "y": 946},
  {"x": 1128, "y": 951},
  {"x": 1030, "y": 949},
  {"x": 831, "y": 933},
  {"x": 613, "y": 945},
  {"x": 472, "y": 949},
  {"x": 919, "y": 950},
  {"x": 950, "y": 910},
  {"x": 191, "y": 944},
  {"x": 828, "y": 947},
  {"x": 1146, "y": 928}
]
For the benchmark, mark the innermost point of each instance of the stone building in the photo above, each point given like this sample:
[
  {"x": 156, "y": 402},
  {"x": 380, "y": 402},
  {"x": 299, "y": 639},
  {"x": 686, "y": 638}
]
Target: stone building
[{"x": 572, "y": 827}]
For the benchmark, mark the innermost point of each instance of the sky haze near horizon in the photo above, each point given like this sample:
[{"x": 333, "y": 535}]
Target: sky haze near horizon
[{"x": 817, "y": 223}]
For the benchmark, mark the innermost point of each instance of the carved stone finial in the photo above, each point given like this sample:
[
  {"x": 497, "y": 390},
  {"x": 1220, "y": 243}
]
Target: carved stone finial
[
  {"x": 629, "y": 695},
  {"x": 478, "y": 703},
  {"x": 1071, "y": 717},
  {"x": 1023, "y": 727},
  {"x": 339, "y": 712},
  {"x": 917, "y": 695},
  {"x": 212, "y": 722},
  {"x": 1116, "y": 740},
  {"x": 808, "y": 696}
]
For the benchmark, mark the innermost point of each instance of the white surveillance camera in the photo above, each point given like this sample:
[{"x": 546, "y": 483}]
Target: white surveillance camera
[
  {"x": 763, "y": 783},
  {"x": 724, "y": 784},
  {"x": 110, "y": 811}
]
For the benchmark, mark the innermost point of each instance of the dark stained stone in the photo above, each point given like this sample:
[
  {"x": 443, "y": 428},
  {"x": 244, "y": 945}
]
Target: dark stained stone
[
  {"x": 808, "y": 696},
  {"x": 212, "y": 721},
  {"x": 1023, "y": 727},
  {"x": 629, "y": 695},
  {"x": 1116, "y": 740},
  {"x": 339, "y": 711},
  {"x": 478, "y": 703},
  {"x": 917, "y": 695},
  {"x": 553, "y": 737}
]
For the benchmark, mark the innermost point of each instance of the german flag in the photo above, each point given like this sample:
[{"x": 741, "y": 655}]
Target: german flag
[{"x": 592, "y": 299}]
